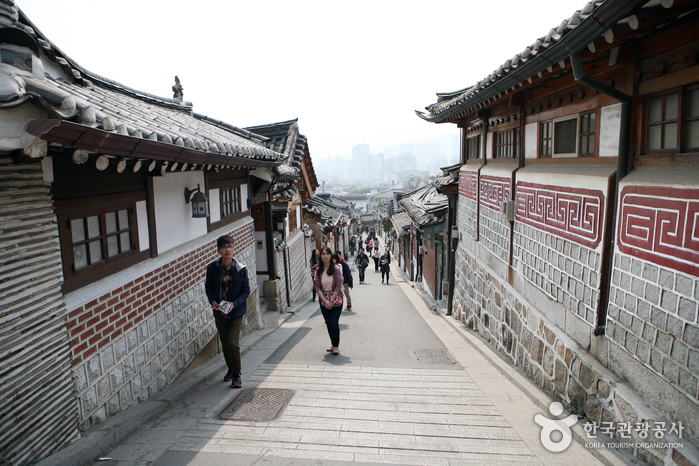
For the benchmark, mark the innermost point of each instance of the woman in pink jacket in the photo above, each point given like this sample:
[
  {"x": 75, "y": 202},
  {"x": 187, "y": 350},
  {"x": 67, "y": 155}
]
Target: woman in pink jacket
[{"x": 328, "y": 285}]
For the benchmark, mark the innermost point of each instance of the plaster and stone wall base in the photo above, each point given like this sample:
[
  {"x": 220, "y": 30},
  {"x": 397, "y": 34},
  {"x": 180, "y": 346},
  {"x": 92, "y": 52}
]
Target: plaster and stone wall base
[
  {"x": 135, "y": 339},
  {"x": 488, "y": 305}
]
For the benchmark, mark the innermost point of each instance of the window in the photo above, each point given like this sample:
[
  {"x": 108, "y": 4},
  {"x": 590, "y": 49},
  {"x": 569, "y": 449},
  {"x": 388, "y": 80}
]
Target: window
[
  {"x": 663, "y": 119},
  {"x": 691, "y": 130},
  {"x": 100, "y": 237},
  {"x": 545, "y": 141},
  {"x": 666, "y": 130},
  {"x": 474, "y": 147},
  {"x": 588, "y": 126},
  {"x": 564, "y": 137},
  {"x": 230, "y": 201},
  {"x": 507, "y": 144},
  {"x": 95, "y": 243},
  {"x": 559, "y": 137}
]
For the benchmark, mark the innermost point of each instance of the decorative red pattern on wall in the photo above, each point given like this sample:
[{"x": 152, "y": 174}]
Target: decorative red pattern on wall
[
  {"x": 572, "y": 213},
  {"x": 661, "y": 225},
  {"x": 468, "y": 185},
  {"x": 494, "y": 190},
  {"x": 102, "y": 320}
]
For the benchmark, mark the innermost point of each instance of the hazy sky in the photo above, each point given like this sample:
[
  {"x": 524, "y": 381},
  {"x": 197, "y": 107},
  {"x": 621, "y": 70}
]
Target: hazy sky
[{"x": 351, "y": 72}]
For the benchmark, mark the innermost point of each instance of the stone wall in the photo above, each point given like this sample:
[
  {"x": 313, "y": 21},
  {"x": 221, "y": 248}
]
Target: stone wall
[
  {"x": 493, "y": 228},
  {"x": 299, "y": 255},
  {"x": 132, "y": 342},
  {"x": 566, "y": 272},
  {"x": 37, "y": 394},
  {"x": 543, "y": 311}
]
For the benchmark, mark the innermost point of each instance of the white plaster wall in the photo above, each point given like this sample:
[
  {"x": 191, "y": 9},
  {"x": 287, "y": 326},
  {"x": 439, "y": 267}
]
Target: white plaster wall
[
  {"x": 12, "y": 124},
  {"x": 489, "y": 146},
  {"x": 47, "y": 169},
  {"x": 143, "y": 232},
  {"x": 173, "y": 217},
  {"x": 610, "y": 119},
  {"x": 298, "y": 216},
  {"x": 244, "y": 197},
  {"x": 530, "y": 140},
  {"x": 214, "y": 205}
]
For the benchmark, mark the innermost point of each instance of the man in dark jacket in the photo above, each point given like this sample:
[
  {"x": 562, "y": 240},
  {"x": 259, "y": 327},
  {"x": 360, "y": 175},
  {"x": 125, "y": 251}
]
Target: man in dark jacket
[
  {"x": 347, "y": 281},
  {"x": 227, "y": 288}
]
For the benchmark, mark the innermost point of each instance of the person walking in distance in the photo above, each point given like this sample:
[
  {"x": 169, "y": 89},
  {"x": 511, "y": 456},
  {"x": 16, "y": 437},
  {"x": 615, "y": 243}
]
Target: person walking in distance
[
  {"x": 385, "y": 266},
  {"x": 328, "y": 284},
  {"x": 227, "y": 288},
  {"x": 315, "y": 260},
  {"x": 362, "y": 264},
  {"x": 347, "y": 281},
  {"x": 376, "y": 258}
]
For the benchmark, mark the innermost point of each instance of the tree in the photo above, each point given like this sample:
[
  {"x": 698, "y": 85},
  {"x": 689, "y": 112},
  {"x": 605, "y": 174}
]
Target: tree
[{"x": 386, "y": 223}]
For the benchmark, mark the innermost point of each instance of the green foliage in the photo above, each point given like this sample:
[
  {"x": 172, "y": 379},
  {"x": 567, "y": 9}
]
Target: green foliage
[
  {"x": 386, "y": 223},
  {"x": 358, "y": 190}
]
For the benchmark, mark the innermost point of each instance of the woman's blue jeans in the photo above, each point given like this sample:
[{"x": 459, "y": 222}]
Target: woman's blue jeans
[{"x": 332, "y": 321}]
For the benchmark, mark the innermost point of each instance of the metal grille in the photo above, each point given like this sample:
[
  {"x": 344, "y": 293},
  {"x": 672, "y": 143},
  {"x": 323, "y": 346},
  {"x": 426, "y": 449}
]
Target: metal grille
[
  {"x": 256, "y": 404},
  {"x": 432, "y": 356}
]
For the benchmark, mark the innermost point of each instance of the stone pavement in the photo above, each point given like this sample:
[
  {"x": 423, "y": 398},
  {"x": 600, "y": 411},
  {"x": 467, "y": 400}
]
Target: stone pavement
[{"x": 392, "y": 396}]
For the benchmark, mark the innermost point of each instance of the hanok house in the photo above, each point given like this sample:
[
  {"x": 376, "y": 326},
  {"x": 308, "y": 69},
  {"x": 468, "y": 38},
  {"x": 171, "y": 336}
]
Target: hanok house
[
  {"x": 577, "y": 214},
  {"x": 284, "y": 250},
  {"x": 332, "y": 220},
  {"x": 427, "y": 210},
  {"x": 112, "y": 200}
]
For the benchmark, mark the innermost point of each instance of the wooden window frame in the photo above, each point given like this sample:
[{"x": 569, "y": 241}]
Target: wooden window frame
[
  {"x": 592, "y": 132},
  {"x": 229, "y": 198},
  {"x": 68, "y": 211},
  {"x": 556, "y": 121},
  {"x": 512, "y": 143},
  {"x": 476, "y": 138},
  {"x": 232, "y": 185},
  {"x": 682, "y": 121},
  {"x": 545, "y": 135}
]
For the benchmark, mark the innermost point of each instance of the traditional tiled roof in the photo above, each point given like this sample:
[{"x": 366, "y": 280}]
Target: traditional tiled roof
[
  {"x": 426, "y": 206},
  {"x": 573, "y": 35},
  {"x": 284, "y": 138},
  {"x": 333, "y": 211},
  {"x": 401, "y": 222},
  {"x": 449, "y": 178},
  {"x": 97, "y": 114}
]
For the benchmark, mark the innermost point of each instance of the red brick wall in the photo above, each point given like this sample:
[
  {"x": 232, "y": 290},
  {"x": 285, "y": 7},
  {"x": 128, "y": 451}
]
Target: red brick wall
[{"x": 103, "y": 319}]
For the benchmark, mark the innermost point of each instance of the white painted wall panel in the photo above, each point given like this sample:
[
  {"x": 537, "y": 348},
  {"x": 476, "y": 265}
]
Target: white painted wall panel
[
  {"x": 143, "y": 232},
  {"x": 215, "y": 205},
  {"x": 530, "y": 140},
  {"x": 610, "y": 120},
  {"x": 173, "y": 217}
]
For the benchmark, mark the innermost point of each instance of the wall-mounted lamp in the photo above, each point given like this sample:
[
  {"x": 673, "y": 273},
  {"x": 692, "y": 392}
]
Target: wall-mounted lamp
[{"x": 200, "y": 203}]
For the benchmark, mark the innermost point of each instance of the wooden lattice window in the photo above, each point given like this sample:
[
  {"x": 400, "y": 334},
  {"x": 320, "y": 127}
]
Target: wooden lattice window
[
  {"x": 474, "y": 147},
  {"x": 230, "y": 201},
  {"x": 546, "y": 139},
  {"x": 588, "y": 125},
  {"x": 507, "y": 144}
]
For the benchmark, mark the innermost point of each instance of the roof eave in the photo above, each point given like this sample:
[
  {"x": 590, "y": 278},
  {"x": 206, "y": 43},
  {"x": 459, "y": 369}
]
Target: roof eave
[
  {"x": 75, "y": 135},
  {"x": 589, "y": 29}
]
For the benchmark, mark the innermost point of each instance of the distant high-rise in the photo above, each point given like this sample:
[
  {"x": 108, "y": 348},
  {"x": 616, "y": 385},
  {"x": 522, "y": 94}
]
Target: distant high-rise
[{"x": 360, "y": 161}]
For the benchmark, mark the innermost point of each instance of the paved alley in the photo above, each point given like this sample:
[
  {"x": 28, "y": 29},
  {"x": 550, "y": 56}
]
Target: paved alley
[{"x": 408, "y": 388}]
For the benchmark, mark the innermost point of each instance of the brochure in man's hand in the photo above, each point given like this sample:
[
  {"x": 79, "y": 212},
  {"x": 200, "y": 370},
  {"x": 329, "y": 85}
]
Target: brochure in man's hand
[{"x": 225, "y": 307}]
